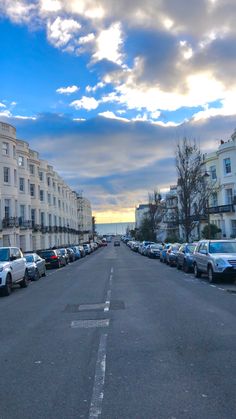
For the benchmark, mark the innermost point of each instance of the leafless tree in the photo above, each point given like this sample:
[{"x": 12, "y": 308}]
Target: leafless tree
[{"x": 193, "y": 189}]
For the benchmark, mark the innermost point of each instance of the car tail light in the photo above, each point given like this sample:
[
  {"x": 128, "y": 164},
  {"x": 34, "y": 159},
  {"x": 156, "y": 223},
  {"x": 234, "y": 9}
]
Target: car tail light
[{"x": 53, "y": 257}]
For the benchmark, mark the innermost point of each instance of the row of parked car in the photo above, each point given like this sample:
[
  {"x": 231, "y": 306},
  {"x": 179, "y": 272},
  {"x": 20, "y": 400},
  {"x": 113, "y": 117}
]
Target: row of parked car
[
  {"x": 19, "y": 268},
  {"x": 215, "y": 258}
]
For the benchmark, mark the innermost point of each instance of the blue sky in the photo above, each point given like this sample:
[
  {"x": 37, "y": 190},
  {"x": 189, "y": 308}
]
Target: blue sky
[{"x": 105, "y": 89}]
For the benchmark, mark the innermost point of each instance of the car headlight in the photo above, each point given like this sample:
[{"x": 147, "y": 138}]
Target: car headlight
[{"x": 220, "y": 262}]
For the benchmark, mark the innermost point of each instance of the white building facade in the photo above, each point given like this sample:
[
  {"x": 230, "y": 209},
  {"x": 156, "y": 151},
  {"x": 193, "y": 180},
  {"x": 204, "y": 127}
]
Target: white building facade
[
  {"x": 38, "y": 209},
  {"x": 140, "y": 212},
  {"x": 84, "y": 214},
  {"x": 221, "y": 165}
]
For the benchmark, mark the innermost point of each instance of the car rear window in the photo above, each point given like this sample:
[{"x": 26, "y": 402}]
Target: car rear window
[{"x": 46, "y": 253}]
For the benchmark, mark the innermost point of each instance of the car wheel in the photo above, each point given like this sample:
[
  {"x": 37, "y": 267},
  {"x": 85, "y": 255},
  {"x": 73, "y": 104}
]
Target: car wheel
[
  {"x": 178, "y": 266},
  {"x": 36, "y": 276},
  {"x": 6, "y": 290},
  {"x": 44, "y": 272},
  {"x": 185, "y": 267},
  {"x": 211, "y": 275},
  {"x": 25, "y": 281},
  {"x": 197, "y": 273}
]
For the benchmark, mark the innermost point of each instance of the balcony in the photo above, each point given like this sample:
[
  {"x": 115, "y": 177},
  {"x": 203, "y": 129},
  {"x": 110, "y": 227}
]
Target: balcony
[
  {"x": 221, "y": 209},
  {"x": 10, "y": 222},
  {"x": 25, "y": 224}
]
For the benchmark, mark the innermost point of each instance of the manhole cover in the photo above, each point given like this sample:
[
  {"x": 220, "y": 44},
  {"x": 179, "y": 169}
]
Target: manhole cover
[{"x": 75, "y": 308}]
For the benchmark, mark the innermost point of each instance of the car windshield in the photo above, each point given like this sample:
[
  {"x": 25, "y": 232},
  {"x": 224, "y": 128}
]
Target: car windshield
[
  {"x": 222, "y": 247},
  {"x": 4, "y": 255},
  {"x": 29, "y": 258},
  {"x": 190, "y": 248}
]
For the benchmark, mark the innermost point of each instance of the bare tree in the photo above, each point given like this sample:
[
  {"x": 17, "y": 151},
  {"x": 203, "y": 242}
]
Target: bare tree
[{"x": 193, "y": 190}]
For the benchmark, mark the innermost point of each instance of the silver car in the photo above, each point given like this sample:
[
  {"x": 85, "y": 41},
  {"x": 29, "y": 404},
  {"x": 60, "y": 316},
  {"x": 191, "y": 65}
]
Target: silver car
[
  {"x": 216, "y": 258},
  {"x": 35, "y": 265}
]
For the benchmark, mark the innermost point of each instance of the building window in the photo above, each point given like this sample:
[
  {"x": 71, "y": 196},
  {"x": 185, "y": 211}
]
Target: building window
[
  {"x": 54, "y": 201},
  {"x": 59, "y": 203},
  {"x": 32, "y": 190},
  {"x": 14, "y": 151},
  {"x": 33, "y": 217},
  {"x": 42, "y": 219},
  {"x": 48, "y": 181},
  {"x": 40, "y": 175},
  {"x": 213, "y": 172},
  {"x": 229, "y": 196},
  {"x": 41, "y": 195},
  {"x": 6, "y": 175},
  {"x": 214, "y": 199},
  {"x": 233, "y": 228},
  {"x": 49, "y": 198},
  {"x": 7, "y": 208},
  {"x": 22, "y": 184},
  {"x": 22, "y": 213},
  {"x": 227, "y": 166},
  {"x": 31, "y": 169},
  {"x": 21, "y": 161},
  {"x": 5, "y": 149}
]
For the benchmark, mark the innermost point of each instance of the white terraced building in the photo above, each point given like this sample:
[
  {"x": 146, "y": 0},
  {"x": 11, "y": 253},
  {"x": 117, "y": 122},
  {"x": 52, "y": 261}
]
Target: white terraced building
[
  {"x": 221, "y": 165},
  {"x": 37, "y": 208}
]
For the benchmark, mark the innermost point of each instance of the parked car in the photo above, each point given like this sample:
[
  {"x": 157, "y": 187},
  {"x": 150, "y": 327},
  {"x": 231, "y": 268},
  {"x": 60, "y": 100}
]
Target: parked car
[
  {"x": 53, "y": 258},
  {"x": 143, "y": 246},
  {"x": 71, "y": 254},
  {"x": 82, "y": 250},
  {"x": 116, "y": 242},
  {"x": 216, "y": 258},
  {"x": 87, "y": 248},
  {"x": 171, "y": 254},
  {"x": 153, "y": 251},
  {"x": 65, "y": 254},
  {"x": 35, "y": 265},
  {"x": 77, "y": 252},
  {"x": 185, "y": 257},
  {"x": 163, "y": 252},
  {"x": 13, "y": 269}
]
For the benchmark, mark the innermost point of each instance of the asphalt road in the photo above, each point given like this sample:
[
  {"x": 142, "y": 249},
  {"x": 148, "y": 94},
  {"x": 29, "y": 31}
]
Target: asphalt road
[{"x": 118, "y": 336}]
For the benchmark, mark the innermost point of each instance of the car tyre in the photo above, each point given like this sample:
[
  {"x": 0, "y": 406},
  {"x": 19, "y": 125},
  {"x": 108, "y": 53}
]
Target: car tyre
[
  {"x": 178, "y": 266},
  {"x": 36, "y": 276},
  {"x": 6, "y": 290},
  {"x": 25, "y": 281},
  {"x": 211, "y": 275},
  {"x": 44, "y": 272},
  {"x": 197, "y": 273},
  {"x": 185, "y": 267}
]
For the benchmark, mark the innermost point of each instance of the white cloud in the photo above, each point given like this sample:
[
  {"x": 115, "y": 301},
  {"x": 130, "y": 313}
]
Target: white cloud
[
  {"x": 99, "y": 85},
  {"x": 86, "y": 39},
  {"x": 85, "y": 102},
  {"x": 19, "y": 11},
  {"x": 111, "y": 115},
  {"x": 108, "y": 44},
  {"x": 2, "y": 105},
  {"x": 61, "y": 31},
  {"x": 50, "y": 5},
  {"x": 67, "y": 90}
]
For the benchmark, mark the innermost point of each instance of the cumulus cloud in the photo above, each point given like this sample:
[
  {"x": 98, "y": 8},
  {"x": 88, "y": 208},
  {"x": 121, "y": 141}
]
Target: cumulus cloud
[
  {"x": 61, "y": 31},
  {"x": 67, "y": 90},
  {"x": 85, "y": 102}
]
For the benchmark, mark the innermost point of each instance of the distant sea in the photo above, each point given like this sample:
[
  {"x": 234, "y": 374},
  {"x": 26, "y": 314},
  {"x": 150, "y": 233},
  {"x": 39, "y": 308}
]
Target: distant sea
[{"x": 113, "y": 228}]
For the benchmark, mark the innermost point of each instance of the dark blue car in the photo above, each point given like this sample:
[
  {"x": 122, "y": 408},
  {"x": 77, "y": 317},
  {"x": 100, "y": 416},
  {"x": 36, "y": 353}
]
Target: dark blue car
[{"x": 185, "y": 257}]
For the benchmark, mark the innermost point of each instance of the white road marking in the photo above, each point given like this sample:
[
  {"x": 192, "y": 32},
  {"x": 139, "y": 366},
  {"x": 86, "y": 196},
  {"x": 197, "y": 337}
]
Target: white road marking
[
  {"x": 99, "y": 379},
  {"x": 108, "y": 301},
  {"x": 90, "y": 323}
]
